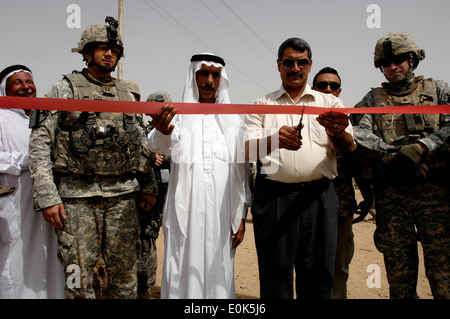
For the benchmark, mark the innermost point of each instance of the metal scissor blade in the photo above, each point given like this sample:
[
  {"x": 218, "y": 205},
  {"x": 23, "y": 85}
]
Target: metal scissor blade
[{"x": 301, "y": 123}]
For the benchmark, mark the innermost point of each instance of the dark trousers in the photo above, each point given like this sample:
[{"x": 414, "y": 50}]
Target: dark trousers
[{"x": 295, "y": 227}]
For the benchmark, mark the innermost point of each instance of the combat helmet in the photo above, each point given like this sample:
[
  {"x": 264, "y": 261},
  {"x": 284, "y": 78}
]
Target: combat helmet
[
  {"x": 159, "y": 96},
  {"x": 101, "y": 33},
  {"x": 396, "y": 44},
  {"x": 134, "y": 88}
]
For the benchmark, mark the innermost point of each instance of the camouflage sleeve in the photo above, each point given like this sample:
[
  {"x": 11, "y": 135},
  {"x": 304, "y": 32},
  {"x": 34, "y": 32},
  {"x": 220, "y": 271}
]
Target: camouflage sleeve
[
  {"x": 363, "y": 129},
  {"x": 147, "y": 182},
  {"x": 438, "y": 138},
  {"x": 60, "y": 90},
  {"x": 45, "y": 192},
  {"x": 146, "y": 177}
]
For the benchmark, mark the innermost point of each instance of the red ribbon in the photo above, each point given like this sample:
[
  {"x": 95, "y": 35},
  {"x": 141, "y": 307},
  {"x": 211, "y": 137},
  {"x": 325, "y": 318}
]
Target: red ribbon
[{"x": 201, "y": 108}]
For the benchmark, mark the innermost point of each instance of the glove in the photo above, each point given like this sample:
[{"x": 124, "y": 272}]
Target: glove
[
  {"x": 408, "y": 157},
  {"x": 421, "y": 172}
]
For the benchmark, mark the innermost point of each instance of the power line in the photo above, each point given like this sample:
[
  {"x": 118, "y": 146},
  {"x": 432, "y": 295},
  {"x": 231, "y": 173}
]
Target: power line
[
  {"x": 194, "y": 38},
  {"x": 188, "y": 34},
  {"x": 271, "y": 63},
  {"x": 260, "y": 38}
]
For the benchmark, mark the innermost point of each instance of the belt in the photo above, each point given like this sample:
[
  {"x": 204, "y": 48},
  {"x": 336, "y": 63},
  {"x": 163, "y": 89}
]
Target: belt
[{"x": 319, "y": 184}]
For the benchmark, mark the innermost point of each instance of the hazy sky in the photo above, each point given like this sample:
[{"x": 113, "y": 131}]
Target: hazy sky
[{"x": 160, "y": 36}]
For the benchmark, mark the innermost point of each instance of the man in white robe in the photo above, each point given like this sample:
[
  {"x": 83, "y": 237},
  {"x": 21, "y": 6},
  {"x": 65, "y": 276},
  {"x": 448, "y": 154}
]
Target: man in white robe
[
  {"x": 208, "y": 194},
  {"x": 29, "y": 267}
]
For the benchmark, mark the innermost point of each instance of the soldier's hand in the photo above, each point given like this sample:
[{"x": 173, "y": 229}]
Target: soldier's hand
[
  {"x": 422, "y": 171},
  {"x": 147, "y": 202},
  {"x": 288, "y": 138},
  {"x": 161, "y": 120},
  {"x": 408, "y": 157},
  {"x": 159, "y": 159},
  {"x": 54, "y": 214}
]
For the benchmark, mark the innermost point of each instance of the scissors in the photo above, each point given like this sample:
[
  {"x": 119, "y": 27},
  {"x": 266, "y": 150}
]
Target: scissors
[{"x": 300, "y": 123}]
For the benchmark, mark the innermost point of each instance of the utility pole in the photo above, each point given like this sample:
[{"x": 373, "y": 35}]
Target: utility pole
[{"x": 119, "y": 65}]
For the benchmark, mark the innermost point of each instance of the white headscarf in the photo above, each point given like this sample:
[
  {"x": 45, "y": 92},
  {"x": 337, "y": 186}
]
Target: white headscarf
[
  {"x": 190, "y": 93},
  {"x": 229, "y": 123},
  {"x": 8, "y": 72}
]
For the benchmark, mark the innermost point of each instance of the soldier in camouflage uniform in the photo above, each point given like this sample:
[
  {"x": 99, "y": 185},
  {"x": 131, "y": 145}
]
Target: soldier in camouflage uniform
[
  {"x": 328, "y": 81},
  {"x": 150, "y": 222},
  {"x": 90, "y": 169},
  {"x": 410, "y": 169}
]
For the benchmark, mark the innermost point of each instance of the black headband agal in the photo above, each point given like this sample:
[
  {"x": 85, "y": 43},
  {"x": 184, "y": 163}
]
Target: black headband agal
[
  {"x": 12, "y": 68},
  {"x": 207, "y": 57}
]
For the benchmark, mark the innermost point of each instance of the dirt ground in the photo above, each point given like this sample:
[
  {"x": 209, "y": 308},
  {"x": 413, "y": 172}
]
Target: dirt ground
[{"x": 366, "y": 254}]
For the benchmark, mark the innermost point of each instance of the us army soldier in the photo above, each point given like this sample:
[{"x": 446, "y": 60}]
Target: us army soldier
[
  {"x": 90, "y": 169},
  {"x": 151, "y": 222},
  {"x": 411, "y": 158}
]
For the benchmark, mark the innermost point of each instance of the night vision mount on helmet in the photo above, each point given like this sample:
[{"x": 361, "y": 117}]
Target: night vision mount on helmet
[
  {"x": 101, "y": 33},
  {"x": 395, "y": 44}
]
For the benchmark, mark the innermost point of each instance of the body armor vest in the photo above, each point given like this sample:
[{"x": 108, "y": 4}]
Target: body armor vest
[
  {"x": 97, "y": 142},
  {"x": 402, "y": 129}
]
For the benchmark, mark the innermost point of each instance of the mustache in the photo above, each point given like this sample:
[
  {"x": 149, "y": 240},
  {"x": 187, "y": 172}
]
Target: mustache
[
  {"x": 208, "y": 86},
  {"x": 297, "y": 74}
]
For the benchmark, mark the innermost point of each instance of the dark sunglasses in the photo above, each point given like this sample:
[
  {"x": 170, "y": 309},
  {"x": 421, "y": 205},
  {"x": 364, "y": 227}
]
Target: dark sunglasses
[
  {"x": 322, "y": 85},
  {"x": 396, "y": 59},
  {"x": 289, "y": 63}
]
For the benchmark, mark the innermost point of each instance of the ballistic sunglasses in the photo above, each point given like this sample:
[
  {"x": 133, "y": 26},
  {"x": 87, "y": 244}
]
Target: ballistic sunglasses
[
  {"x": 396, "y": 59},
  {"x": 103, "y": 48}
]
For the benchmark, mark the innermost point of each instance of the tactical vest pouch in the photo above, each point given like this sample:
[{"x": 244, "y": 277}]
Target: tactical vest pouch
[
  {"x": 402, "y": 129},
  {"x": 106, "y": 158},
  {"x": 146, "y": 160},
  {"x": 97, "y": 144},
  {"x": 66, "y": 160}
]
